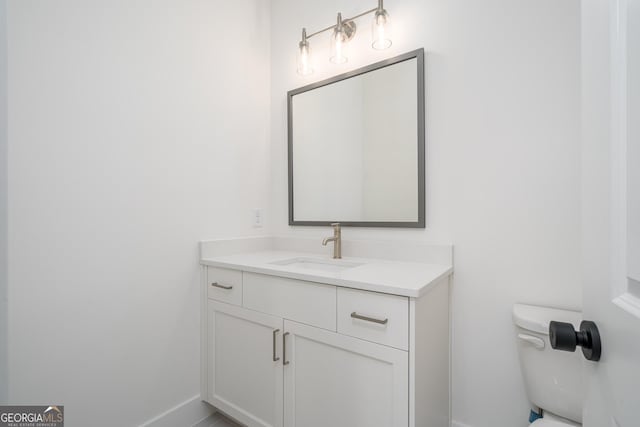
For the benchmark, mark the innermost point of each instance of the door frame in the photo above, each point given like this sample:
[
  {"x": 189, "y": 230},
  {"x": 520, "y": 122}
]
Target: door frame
[{"x": 622, "y": 296}]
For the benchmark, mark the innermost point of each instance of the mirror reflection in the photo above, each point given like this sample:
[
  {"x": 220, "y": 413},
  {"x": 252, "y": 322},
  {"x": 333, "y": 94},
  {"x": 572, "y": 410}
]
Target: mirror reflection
[{"x": 354, "y": 149}]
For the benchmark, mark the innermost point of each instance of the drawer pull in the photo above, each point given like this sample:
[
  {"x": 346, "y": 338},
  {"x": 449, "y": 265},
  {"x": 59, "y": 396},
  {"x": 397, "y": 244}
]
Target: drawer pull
[
  {"x": 284, "y": 348},
  {"x": 275, "y": 332},
  {"x": 369, "y": 319},
  {"x": 217, "y": 285}
]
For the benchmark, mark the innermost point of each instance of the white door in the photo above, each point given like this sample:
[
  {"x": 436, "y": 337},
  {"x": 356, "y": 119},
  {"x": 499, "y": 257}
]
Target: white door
[
  {"x": 244, "y": 364},
  {"x": 340, "y": 381},
  {"x": 611, "y": 207}
]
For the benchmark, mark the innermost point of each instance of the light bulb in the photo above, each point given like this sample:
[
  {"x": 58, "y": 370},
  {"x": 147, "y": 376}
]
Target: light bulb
[
  {"x": 304, "y": 58},
  {"x": 339, "y": 43},
  {"x": 338, "y": 50},
  {"x": 381, "y": 30}
]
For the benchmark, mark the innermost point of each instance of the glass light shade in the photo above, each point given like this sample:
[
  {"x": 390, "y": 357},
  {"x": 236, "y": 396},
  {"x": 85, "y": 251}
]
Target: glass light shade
[
  {"x": 304, "y": 59},
  {"x": 381, "y": 31},
  {"x": 338, "y": 47}
]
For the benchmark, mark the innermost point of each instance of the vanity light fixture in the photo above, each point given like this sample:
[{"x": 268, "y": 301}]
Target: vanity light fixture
[{"x": 343, "y": 32}]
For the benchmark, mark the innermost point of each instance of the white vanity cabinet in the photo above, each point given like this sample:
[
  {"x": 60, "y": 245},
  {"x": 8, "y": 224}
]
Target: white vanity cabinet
[{"x": 286, "y": 352}]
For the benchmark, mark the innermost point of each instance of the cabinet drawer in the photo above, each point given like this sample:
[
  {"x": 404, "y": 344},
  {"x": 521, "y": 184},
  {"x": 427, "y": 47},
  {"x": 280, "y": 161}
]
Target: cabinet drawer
[
  {"x": 374, "y": 317},
  {"x": 305, "y": 302},
  {"x": 224, "y": 285}
]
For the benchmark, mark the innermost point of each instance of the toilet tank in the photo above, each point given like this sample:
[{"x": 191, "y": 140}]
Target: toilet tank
[{"x": 553, "y": 379}]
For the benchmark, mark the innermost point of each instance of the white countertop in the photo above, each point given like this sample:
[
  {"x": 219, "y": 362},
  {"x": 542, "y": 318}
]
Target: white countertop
[{"x": 410, "y": 279}]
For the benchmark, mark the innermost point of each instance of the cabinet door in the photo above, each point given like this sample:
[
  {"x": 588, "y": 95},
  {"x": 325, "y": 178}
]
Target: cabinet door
[
  {"x": 244, "y": 379},
  {"x": 340, "y": 381}
]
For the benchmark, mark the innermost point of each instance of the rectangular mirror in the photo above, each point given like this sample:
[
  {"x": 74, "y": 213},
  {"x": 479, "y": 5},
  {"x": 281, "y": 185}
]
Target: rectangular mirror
[{"x": 356, "y": 147}]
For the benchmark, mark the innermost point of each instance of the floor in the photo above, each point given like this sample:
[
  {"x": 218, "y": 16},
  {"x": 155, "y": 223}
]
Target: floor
[{"x": 218, "y": 420}]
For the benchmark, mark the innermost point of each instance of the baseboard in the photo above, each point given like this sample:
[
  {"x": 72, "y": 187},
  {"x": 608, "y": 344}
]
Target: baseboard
[
  {"x": 207, "y": 421},
  {"x": 194, "y": 411},
  {"x": 187, "y": 413}
]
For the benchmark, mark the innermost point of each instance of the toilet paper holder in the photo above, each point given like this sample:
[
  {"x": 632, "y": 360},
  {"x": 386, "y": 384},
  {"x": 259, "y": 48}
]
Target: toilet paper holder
[{"x": 563, "y": 337}]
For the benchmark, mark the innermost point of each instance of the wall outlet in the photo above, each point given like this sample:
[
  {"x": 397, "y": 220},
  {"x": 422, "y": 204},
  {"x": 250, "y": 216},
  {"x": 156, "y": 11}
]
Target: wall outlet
[{"x": 258, "y": 217}]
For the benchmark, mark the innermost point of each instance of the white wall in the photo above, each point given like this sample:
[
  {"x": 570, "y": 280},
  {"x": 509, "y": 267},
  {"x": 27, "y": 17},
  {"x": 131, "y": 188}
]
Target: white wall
[
  {"x": 136, "y": 129},
  {"x": 503, "y": 164},
  {"x": 3, "y": 202}
]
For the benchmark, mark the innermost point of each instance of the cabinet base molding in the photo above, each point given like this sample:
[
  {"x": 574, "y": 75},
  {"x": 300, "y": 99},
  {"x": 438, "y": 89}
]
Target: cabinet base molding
[{"x": 188, "y": 413}]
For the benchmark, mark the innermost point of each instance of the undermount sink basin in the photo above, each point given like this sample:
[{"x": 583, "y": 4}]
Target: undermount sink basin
[{"x": 328, "y": 265}]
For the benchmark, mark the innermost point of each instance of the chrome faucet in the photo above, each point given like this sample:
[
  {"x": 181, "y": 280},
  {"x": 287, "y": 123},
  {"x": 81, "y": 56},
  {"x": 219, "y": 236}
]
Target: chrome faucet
[{"x": 336, "y": 239}]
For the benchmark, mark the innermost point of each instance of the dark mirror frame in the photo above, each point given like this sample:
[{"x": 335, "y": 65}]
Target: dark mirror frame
[{"x": 420, "y": 223}]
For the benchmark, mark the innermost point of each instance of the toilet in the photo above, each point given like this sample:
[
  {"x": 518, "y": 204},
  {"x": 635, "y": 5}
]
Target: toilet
[{"x": 553, "y": 379}]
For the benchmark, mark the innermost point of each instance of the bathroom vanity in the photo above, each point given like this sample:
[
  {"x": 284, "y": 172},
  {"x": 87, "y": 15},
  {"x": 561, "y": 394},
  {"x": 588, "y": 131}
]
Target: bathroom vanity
[{"x": 291, "y": 337}]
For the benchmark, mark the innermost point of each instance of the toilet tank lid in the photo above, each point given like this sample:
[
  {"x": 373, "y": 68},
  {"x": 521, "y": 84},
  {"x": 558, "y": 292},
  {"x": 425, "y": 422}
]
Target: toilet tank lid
[{"x": 536, "y": 319}]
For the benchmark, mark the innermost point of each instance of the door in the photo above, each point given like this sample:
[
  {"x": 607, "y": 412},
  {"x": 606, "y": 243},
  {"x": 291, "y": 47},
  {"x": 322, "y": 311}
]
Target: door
[
  {"x": 244, "y": 365},
  {"x": 611, "y": 207},
  {"x": 340, "y": 381}
]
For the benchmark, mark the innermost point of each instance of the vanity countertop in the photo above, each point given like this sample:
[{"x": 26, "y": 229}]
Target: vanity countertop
[{"x": 410, "y": 279}]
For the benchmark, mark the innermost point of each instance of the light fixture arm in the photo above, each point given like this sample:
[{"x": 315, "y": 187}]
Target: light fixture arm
[{"x": 345, "y": 20}]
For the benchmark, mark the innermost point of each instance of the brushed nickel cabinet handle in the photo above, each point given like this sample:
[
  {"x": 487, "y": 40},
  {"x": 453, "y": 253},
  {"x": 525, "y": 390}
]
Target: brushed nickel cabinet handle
[
  {"x": 284, "y": 348},
  {"x": 275, "y": 332},
  {"x": 217, "y": 285},
  {"x": 369, "y": 319}
]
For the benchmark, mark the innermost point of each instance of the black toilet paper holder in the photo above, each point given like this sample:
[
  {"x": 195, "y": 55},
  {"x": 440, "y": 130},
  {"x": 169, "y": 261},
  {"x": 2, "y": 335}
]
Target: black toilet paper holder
[{"x": 563, "y": 337}]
